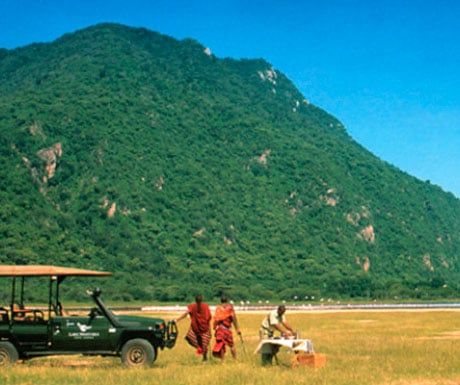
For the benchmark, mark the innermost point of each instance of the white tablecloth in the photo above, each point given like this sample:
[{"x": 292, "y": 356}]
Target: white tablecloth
[{"x": 297, "y": 346}]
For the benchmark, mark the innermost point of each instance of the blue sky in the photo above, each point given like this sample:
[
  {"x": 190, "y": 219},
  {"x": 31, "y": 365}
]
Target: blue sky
[{"x": 389, "y": 70}]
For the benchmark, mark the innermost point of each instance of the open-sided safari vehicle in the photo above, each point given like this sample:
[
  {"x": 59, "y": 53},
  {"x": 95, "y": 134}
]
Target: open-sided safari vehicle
[{"x": 27, "y": 332}]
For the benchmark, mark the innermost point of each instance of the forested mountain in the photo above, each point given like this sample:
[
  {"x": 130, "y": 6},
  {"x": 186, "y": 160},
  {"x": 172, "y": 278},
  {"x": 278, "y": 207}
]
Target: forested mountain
[{"x": 129, "y": 151}]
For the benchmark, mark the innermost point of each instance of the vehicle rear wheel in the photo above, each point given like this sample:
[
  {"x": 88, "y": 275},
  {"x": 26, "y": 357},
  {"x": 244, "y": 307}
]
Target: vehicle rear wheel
[
  {"x": 137, "y": 352},
  {"x": 8, "y": 354}
]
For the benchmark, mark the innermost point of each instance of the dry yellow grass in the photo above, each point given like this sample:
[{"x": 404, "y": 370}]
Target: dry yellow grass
[{"x": 362, "y": 347}]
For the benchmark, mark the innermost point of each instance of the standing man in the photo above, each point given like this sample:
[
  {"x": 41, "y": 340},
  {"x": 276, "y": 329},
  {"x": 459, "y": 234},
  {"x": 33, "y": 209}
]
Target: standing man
[
  {"x": 224, "y": 318},
  {"x": 276, "y": 321},
  {"x": 199, "y": 333}
]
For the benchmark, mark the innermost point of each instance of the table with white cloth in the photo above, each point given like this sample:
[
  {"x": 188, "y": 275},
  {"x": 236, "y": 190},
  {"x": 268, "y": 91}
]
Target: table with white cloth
[{"x": 294, "y": 345}]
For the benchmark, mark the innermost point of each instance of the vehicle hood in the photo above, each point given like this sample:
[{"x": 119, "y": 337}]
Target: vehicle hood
[{"x": 140, "y": 321}]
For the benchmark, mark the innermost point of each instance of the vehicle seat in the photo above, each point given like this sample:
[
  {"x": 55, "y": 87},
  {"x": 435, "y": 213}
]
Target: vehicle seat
[{"x": 19, "y": 313}]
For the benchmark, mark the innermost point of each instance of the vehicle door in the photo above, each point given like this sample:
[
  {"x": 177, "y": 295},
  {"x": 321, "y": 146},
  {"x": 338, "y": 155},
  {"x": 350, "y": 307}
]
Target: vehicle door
[
  {"x": 30, "y": 330},
  {"x": 82, "y": 333}
]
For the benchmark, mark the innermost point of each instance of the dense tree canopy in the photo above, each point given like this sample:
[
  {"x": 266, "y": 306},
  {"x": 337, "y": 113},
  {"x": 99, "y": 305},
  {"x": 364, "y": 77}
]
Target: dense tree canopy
[{"x": 130, "y": 151}]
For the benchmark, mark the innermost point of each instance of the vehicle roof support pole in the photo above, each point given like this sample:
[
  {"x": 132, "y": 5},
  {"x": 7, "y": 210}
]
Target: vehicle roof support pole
[
  {"x": 13, "y": 291},
  {"x": 50, "y": 304},
  {"x": 21, "y": 303}
]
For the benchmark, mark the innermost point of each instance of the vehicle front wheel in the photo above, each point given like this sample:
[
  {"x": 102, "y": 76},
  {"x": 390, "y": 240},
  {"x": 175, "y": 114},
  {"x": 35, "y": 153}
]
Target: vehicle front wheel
[
  {"x": 137, "y": 352},
  {"x": 8, "y": 353}
]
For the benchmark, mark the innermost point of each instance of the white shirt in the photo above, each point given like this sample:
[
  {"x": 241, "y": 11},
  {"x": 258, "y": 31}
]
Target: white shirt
[{"x": 273, "y": 318}]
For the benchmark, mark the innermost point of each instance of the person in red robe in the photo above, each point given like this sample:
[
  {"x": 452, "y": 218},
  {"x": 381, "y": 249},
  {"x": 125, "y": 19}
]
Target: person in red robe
[
  {"x": 199, "y": 333},
  {"x": 224, "y": 318}
]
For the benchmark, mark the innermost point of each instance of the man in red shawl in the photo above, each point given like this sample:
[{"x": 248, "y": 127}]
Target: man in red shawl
[
  {"x": 199, "y": 333},
  {"x": 224, "y": 317}
]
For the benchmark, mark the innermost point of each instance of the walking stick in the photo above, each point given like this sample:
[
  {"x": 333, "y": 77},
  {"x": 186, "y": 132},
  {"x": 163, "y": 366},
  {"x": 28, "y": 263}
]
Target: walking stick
[{"x": 242, "y": 343}]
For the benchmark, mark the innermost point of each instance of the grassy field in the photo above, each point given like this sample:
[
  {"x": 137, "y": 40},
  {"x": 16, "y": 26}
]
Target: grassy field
[{"x": 362, "y": 347}]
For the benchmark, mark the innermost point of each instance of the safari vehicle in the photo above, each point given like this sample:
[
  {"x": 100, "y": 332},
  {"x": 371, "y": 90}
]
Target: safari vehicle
[{"x": 27, "y": 332}]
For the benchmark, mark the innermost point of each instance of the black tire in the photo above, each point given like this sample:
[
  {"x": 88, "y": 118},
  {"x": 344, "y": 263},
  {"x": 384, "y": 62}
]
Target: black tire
[
  {"x": 8, "y": 354},
  {"x": 138, "y": 352}
]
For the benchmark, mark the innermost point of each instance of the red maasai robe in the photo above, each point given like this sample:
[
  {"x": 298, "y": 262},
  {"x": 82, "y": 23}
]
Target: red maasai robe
[
  {"x": 199, "y": 334},
  {"x": 222, "y": 324}
]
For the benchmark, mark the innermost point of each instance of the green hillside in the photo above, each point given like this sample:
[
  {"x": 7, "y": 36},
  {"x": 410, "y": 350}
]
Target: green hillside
[{"x": 130, "y": 151}]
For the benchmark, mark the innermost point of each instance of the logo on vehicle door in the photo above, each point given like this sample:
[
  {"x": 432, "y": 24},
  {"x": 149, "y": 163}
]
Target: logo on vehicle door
[
  {"x": 83, "y": 333},
  {"x": 83, "y": 328}
]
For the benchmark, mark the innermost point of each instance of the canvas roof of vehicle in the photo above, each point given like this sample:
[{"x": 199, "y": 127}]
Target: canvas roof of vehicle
[{"x": 46, "y": 270}]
